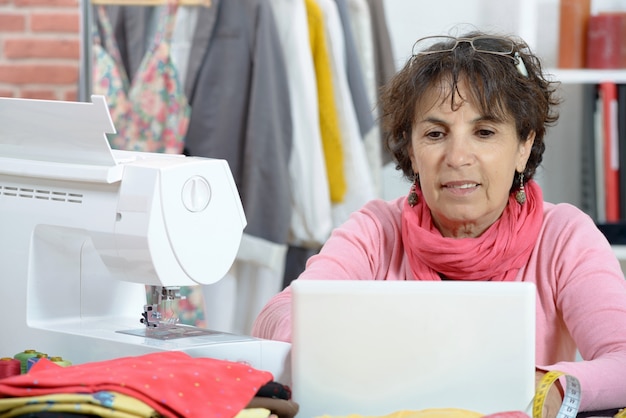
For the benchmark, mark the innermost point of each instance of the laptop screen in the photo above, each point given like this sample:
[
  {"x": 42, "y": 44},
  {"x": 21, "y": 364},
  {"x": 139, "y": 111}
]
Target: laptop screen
[{"x": 376, "y": 347}]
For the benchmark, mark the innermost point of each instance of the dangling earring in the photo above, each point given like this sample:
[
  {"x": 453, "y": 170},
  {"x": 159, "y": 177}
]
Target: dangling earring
[
  {"x": 520, "y": 195},
  {"x": 413, "y": 192}
]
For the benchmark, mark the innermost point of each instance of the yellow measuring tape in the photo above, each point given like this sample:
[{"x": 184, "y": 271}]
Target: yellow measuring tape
[{"x": 571, "y": 396}]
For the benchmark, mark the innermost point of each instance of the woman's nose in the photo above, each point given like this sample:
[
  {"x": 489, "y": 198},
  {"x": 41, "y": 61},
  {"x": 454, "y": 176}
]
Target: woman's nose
[{"x": 458, "y": 150}]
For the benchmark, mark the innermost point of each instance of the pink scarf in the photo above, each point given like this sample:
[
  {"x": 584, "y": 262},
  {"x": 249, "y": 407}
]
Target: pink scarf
[{"x": 496, "y": 255}]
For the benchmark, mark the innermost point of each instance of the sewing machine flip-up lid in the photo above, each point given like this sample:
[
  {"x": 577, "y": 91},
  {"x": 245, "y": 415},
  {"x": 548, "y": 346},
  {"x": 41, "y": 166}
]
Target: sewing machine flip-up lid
[{"x": 38, "y": 135}]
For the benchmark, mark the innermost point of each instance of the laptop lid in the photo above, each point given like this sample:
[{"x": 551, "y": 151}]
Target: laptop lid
[{"x": 376, "y": 347}]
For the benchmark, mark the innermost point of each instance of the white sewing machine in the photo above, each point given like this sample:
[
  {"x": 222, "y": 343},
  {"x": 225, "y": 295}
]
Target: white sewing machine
[{"x": 84, "y": 229}]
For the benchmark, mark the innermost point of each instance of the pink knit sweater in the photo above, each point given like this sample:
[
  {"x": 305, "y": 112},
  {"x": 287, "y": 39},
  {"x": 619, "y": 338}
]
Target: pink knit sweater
[{"x": 581, "y": 291}]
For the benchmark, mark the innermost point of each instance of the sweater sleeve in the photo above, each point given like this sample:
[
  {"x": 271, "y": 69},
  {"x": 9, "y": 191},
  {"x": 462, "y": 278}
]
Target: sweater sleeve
[
  {"x": 589, "y": 289},
  {"x": 368, "y": 246}
]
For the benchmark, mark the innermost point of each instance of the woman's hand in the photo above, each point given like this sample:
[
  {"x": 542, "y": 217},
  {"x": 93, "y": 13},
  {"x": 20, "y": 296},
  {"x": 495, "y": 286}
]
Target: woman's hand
[{"x": 554, "y": 398}]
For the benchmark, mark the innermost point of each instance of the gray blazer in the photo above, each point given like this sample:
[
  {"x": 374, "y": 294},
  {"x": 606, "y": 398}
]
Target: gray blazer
[{"x": 236, "y": 84}]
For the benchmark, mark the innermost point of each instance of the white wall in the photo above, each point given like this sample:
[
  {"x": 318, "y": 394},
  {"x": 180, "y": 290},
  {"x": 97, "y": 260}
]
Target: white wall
[
  {"x": 534, "y": 20},
  {"x": 409, "y": 19}
]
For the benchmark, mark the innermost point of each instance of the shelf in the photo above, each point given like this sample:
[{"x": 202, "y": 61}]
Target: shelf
[{"x": 585, "y": 76}]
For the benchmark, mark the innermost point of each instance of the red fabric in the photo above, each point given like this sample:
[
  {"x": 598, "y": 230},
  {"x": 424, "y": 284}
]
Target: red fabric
[
  {"x": 173, "y": 383},
  {"x": 509, "y": 240}
]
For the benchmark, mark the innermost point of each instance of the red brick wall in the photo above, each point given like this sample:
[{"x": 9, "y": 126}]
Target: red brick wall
[{"x": 40, "y": 49}]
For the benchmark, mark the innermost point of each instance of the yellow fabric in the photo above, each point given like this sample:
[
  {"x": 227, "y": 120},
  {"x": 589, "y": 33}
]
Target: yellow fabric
[
  {"x": 102, "y": 404},
  {"x": 254, "y": 413},
  {"x": 329, "y": 119},
  {"x": 425, "y": 413}
]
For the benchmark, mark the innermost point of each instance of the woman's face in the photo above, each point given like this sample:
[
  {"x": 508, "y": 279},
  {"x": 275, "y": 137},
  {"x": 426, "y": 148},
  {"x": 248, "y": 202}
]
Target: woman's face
[{"x": 466, "y": 163}]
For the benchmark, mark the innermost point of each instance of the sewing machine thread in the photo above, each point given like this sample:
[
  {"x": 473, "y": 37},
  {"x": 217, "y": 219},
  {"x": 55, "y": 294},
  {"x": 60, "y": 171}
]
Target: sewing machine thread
[
  {"x": 60, "y": 361},
  {"x": 32, "y": 360},
  {"x": 9, "y": 367},
  {"x": 23, "y": 358}
]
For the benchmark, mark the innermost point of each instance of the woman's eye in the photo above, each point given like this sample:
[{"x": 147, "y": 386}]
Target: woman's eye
[
  {"x": 434, "y": 135},
  {"x": 484, "y": 133}
]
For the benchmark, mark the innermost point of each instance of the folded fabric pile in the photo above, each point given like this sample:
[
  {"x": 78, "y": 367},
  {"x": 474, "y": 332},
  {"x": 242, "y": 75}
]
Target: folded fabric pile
[
  {"x": 101, "y": 404},
  {"x": 162, "y": 384}
]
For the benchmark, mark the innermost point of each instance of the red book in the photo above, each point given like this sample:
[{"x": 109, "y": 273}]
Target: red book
[
  {"x": 605, "y": 41},
  {"x": 573, "y": 20},
  {"x": 608, "y": 92}
]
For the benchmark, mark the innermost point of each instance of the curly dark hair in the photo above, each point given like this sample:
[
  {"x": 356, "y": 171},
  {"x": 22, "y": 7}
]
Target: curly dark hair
[{"x": 496, "y": 87}]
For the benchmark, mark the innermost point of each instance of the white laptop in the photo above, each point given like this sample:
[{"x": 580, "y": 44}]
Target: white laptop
[{"x": 375, "y": 347}]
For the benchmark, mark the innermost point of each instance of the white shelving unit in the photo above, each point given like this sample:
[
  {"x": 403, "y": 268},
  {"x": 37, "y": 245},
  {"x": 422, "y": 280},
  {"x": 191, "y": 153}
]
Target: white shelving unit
[
  {"x": 620, "y": 253},
  {"x": 586, "y": 76},
  {"x": 592, "y": 76}
]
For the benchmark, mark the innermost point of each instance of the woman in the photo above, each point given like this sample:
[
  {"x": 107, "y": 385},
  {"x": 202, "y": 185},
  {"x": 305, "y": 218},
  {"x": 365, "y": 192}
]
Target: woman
[{"x": 466, "y": 119}]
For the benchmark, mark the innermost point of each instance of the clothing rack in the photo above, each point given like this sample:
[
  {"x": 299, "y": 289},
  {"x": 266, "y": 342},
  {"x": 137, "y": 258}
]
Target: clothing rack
[
  {"x": 84, "y": 84},
  {"x": 206, "y": 3}
]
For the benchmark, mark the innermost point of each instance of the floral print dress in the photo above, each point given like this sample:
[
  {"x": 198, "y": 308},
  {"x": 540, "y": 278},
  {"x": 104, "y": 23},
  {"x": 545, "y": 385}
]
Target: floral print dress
[{"x": 150, "y": 112}]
